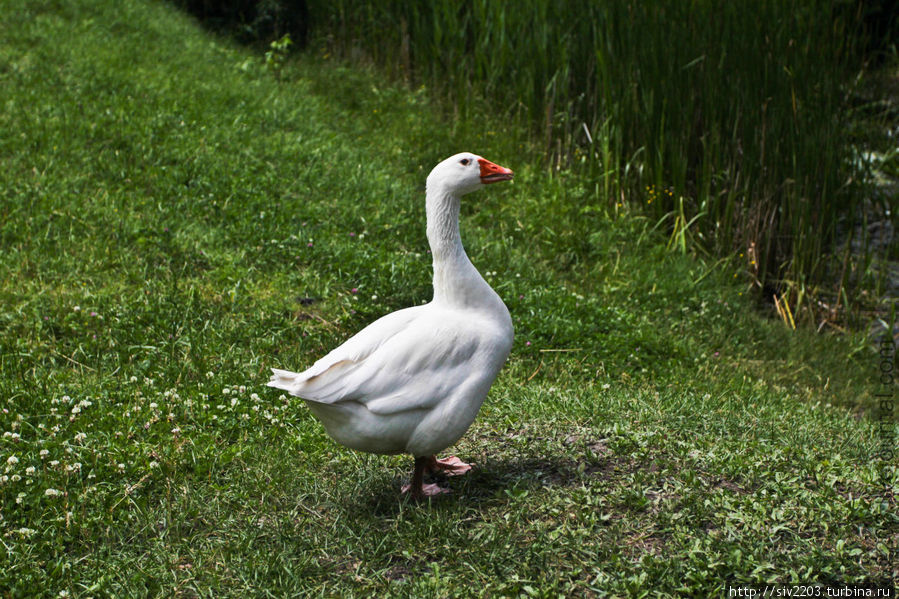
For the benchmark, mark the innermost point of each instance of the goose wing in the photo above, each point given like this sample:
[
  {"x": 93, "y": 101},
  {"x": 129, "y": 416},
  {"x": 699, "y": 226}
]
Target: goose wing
[{"x": 408, "y": 360}]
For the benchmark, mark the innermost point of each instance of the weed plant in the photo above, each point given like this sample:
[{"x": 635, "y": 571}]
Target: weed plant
[{"x": 729, "y": 116}]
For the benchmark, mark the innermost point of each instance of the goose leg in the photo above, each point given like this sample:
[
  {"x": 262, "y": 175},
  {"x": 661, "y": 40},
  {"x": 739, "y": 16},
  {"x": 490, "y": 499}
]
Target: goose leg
[
  {"x": 451, "y": 466},
  {"x": 417, "y": 487}
]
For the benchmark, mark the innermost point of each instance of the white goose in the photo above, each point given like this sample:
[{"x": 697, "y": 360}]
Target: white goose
[{"x": 414, "y": 380}]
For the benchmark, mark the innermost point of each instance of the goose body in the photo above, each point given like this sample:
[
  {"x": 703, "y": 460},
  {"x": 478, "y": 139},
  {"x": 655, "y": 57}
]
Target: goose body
[{"x": 414, "y": 380}]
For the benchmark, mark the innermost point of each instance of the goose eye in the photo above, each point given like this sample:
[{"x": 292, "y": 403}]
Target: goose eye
[{"x": 464, "y": 162}]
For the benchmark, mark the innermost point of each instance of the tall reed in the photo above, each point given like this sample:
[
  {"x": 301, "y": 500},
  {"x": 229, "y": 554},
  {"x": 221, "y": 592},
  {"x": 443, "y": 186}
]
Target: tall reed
[{"x": 731, "y": 115}]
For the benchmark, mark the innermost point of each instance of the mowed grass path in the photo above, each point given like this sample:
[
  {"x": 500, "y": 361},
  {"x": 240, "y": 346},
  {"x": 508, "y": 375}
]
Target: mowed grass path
[{"x": 175, "y": 219}]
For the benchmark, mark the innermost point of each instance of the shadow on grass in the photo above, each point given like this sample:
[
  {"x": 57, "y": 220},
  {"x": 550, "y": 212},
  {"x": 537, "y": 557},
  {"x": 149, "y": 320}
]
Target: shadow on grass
[{"x": 497, "y": 480}]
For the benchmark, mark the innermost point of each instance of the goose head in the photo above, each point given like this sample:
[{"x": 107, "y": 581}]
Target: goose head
[{"x": 466, "y": 172}]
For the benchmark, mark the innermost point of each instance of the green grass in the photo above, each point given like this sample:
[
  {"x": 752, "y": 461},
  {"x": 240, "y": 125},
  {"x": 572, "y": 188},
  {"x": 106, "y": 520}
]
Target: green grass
[{"x": 175, "y": 219}]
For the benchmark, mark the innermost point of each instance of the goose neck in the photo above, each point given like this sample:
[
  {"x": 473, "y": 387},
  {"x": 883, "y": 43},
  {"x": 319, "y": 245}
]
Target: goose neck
[
  {"x": 443, "y": 225},
  {"x": 456, "y": 280}
]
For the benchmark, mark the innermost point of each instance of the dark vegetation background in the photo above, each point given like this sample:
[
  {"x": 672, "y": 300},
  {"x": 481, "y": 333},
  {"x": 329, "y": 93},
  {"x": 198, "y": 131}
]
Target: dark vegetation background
[{"x": 265, "y": 20}]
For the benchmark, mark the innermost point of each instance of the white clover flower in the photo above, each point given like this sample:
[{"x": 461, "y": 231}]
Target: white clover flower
[
  {"x": 44, "y": 453},
  {"x": 226, "y": 391},
  {"x": 9, "y": 435},
  {"x": 154, "y": 464},
  {"x": 153, "y": 405},
  {"x": 20, "y": 498},
  {"x": 12, "y": 460},
  {"x": 176, "y": 430},
  {"x": 15, "y": 478},
  {"x": 209, "y": 375},
  {"x": 76, "y": 410},
  {"x": 254, "y": 396},
  {"x": 243, "y": 388},
  {"x": 234, "y": 401},
  {"x": 30, "y": 470},
  {"x": 120, "y": 466},
  {"x": 80, "y": 437},
  {"x": 65, "y": 399},
  {"x": 133, "y": 379},
  {"x": 52, "y": 492},
  {"x": 4, "y": 478}
]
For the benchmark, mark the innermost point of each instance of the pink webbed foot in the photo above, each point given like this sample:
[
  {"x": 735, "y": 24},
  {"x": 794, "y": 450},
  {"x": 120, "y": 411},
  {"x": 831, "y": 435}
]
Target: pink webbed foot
[
  {"x": 417, "y": 487},
  {"x": 451, "y": 466},
  {"x": 426, "y": 490}
]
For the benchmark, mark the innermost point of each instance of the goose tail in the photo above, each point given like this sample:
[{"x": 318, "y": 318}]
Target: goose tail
[{"x": 283, "y": 379}]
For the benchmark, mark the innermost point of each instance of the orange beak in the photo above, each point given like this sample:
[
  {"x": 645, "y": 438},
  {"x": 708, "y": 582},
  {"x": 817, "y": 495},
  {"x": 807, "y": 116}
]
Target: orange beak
[{"x": 493, "y": 173}]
